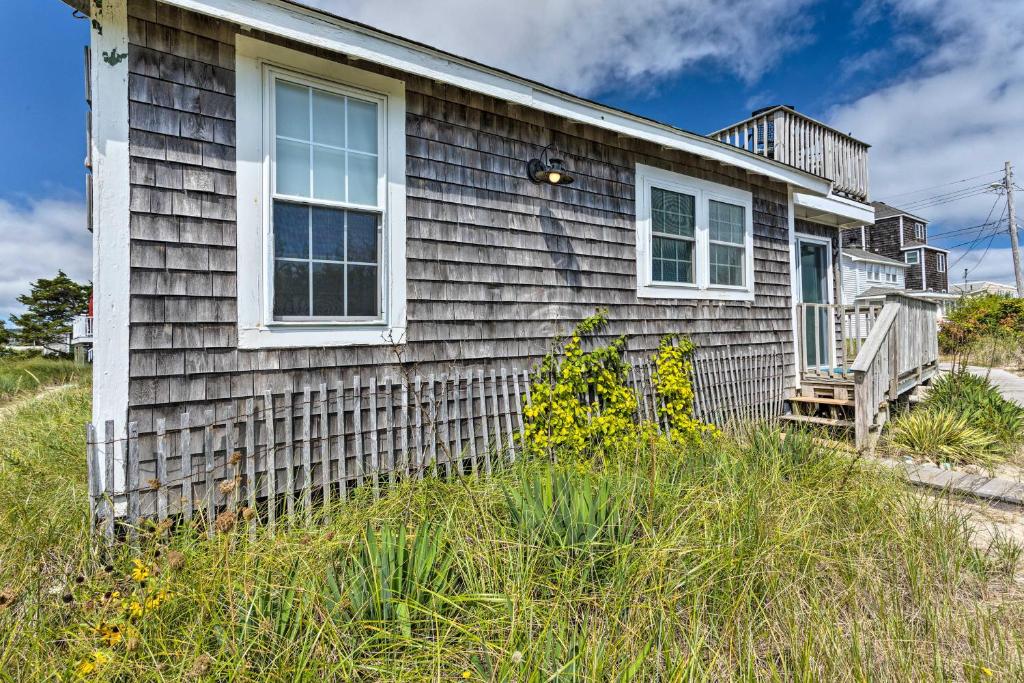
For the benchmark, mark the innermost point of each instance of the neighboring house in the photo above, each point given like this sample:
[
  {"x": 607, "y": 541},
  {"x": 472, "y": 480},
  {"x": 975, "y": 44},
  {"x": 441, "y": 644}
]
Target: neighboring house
[
  {"x": 283, "y": 198},
  {"x": 983, "y": 287},
  {"x": 902, "y": 236},
  {"x": 870, "y": 276}
]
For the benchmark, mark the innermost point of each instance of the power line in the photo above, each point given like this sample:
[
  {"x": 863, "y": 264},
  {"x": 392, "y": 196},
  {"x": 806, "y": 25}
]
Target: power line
[
  {"x": 993, "y": 234},
  {"x": 932, "y": 187},
  {"x": 988, "y": 221},
  {"x": 983, "y": 254},
  {"x": 946, "y": 199}
]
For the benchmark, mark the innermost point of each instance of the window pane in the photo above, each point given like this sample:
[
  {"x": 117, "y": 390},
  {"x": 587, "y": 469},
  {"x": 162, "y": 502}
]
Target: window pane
[
  {"x": 362, "y": 179},
  {"x": 362, "y": 290},
  {"x": 673, "y": 260},
  {"x": 328, "y": 235},
  {"x": 328, "y": 119},
  {"x": 725, "y": 222},
  {"x": 292, "y": 168},
  {"x": 672, "y": 213},
  {"x": 328, "y": 289},
  {"x": 292, "y": 110},
  {"x": 328, "y": 174},
  {"x": 291, "y": 230},
  {"x": 726, "y": 265},
  {"x": 362, "y": 237},
  {"x": 362, "y": 126},
  {"x": 291, "y": 288}
]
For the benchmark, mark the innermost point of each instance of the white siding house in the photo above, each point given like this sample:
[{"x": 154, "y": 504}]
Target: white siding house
[{"x": 870, "y": 274}]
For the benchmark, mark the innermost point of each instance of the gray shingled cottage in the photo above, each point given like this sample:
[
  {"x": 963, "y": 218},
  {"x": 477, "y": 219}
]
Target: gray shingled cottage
[{"x": 284, "y": 199}]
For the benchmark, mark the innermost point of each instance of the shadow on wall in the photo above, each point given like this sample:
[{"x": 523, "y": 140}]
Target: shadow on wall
[{"x": 559, "y": 246}]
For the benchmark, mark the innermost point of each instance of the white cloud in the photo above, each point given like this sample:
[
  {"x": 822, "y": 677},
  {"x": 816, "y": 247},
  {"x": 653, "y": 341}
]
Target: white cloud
[
  {"x": 36, "y": 239},
  {"x": 956, "y": 114},
  {"x": 994, "y": 265},
  {"x": 586, "y": 45}
]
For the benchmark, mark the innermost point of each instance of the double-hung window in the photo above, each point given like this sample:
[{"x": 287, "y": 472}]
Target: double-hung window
[
  {"x": 327, "y": 211},
  {"x": 912, "y": 257},
  {"x": 694, "y": 238},
  {"x": 321, "y": 205},
  {"x": 940, "y": 262}
]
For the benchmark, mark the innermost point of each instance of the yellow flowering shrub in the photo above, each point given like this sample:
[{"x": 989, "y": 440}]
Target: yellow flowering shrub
[
  {"x": 673, "y": 369},
  {"x": 579, "y": 399},
  {"x": 580, "y": 403}
]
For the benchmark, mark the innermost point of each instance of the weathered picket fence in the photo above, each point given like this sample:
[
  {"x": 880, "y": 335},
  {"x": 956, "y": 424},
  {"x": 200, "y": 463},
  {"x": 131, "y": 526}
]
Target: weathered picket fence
[{"x": 279, "y": 454}]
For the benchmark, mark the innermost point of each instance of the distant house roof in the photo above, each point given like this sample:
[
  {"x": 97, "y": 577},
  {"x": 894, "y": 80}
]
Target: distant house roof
[
  {"x": 883, "y": 210},
  {"x": 981, "y": 286},
  {"x": 878, "y": 292},
  {"x": 861, "y": 255}
]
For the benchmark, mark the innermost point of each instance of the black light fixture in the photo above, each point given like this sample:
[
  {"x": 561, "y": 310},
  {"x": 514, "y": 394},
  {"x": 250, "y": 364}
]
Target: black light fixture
[{"x": 548, "y": 169}]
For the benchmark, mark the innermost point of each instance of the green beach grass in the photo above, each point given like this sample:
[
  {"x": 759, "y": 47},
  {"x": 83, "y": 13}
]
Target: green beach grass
[{"x": 751, "y": 558}]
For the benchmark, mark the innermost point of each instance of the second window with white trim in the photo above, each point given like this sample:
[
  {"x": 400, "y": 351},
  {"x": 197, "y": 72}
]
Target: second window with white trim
[{"x": 694, "y": 238}]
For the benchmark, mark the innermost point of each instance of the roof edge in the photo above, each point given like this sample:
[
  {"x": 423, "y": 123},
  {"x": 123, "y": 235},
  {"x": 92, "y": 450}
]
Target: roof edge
[{"x": 303, "y": 24}]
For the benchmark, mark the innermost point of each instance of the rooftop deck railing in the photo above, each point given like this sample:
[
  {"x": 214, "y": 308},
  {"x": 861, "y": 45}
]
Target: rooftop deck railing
[{"x": 782, "y": 134}]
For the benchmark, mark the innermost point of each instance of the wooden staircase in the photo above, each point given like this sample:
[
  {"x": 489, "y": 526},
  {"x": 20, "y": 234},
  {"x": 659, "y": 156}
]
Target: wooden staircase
[{"x": 898, "y": 355}]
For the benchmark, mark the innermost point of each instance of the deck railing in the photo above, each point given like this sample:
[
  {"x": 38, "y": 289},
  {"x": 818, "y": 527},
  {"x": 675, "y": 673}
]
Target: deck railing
[
  {"x": 901, "y": 351},
  {"x": 785, "y": 135},
  {"x": 831, "y": 336},
  {"x": 81, "y": 329}
]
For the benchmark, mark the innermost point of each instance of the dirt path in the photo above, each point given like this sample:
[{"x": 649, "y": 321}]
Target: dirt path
[{"x": 12, "y": 405}]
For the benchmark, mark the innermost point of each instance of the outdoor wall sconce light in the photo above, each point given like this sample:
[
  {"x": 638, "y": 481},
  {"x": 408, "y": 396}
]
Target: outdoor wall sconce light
[{"x": 548, "y": 169}]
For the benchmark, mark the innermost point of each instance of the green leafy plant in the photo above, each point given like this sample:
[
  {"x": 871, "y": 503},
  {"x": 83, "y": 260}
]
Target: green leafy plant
[
  {"x": 673, "y": 369},
  {"x": 392, "y": 576},
  {"x": 564, "y": 509},
  {"x": 944, "y": 435},
  {"x": 579, "y": 400},
  {"x": 979, "y": 326},
  {"x": 982, "y": 405}
]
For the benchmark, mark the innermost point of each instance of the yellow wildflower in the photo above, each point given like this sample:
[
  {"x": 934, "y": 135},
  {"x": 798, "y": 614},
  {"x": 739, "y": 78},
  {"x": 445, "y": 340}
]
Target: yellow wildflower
[
  {"x": 110, "y": 633},
  {"x": 92, "y": 663},
  {"x": 133, "y": 608},
  {"x": 140, "y": 572},
  {"x": 467, "y": 674},
  {"x": 987, "y": 671}
]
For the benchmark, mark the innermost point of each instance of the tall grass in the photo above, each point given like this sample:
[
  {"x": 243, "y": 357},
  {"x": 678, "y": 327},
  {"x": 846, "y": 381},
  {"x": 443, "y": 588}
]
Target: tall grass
[
  {"x": 964, "y": 420},
  {"x": 750, "y": 558},
  {"x": 20, "y": 375}
]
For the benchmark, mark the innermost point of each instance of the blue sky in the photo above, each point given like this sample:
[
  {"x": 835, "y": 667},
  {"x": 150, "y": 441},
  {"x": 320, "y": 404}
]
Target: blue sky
[{"x": 936, "y": 86}]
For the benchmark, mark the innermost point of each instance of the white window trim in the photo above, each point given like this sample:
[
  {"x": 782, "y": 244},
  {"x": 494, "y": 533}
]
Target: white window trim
[
  {"x": 648, "y": 177},
  {"x": 256, "y": 327},
  {"x": 940, "y": 262},
  {"x": 916, "y": 253}
]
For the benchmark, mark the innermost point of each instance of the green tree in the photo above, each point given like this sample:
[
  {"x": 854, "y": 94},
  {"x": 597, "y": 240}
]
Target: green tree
[{"x": 52, "y": 304}]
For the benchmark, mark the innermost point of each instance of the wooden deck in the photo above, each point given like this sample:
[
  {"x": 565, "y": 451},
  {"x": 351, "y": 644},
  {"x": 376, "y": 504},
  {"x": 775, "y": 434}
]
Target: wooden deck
[
  {"x": 783, "y": 134},
  {"x": 881, "y": 355}
]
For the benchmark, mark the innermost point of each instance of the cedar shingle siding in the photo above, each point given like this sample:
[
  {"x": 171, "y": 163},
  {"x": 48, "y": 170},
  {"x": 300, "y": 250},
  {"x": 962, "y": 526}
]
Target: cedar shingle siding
[
  {"x": 496, "y": 265},
  {"x": 936, "y": 281}
]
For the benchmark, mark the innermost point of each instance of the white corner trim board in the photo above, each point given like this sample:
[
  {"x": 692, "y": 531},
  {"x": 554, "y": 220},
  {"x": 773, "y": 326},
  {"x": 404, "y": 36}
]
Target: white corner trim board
[
  {"x": 312, "y": 27},
  {"x": 111, "y": 239},
  {"x": 255, "y": 62}
]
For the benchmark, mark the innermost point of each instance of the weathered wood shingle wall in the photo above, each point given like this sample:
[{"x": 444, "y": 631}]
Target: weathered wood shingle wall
[{"x": 496, "y": 265}]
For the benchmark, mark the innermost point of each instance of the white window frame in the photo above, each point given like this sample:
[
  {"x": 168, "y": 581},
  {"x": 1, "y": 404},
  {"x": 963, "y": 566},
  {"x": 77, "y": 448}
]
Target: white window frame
[
  {"x": 649, "y": 177},
  {"x": 916, "y": 253},
  {"x": 256, "y": 64},
  {"x": 940, "y": 262}
]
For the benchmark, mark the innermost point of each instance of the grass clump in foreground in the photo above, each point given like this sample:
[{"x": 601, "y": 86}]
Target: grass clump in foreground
[
  {"x": 963, "y": 420},
  {"x": 745, "y": 558},
  {"x": 20, "y": 375}
]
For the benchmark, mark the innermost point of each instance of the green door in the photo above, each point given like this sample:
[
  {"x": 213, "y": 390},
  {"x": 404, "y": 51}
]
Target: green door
[{"x": 814, "y": 290}]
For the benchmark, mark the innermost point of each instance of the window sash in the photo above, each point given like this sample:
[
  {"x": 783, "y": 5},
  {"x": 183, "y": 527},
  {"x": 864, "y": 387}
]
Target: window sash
[
  {"x": 274, "y": 76},
  {"x": 709, "y": 280},
  {"x": 912, "y": 258}
]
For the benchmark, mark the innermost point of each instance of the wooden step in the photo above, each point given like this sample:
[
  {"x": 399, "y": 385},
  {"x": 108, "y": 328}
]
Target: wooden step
[
  {"x": 822, "y": 400},
  {"x": 823, "y": 421}
]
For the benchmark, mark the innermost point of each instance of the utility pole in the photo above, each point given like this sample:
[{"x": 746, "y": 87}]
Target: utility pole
[{"x": 1014, "y": 244}]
